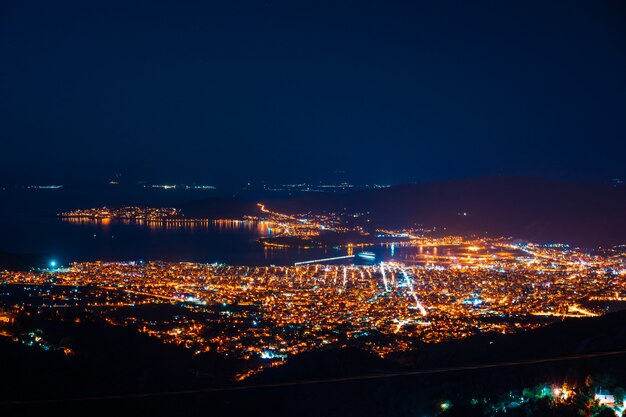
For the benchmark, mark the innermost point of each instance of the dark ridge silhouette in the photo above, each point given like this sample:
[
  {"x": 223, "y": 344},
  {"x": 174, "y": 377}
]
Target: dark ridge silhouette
[
  {"x": 331, "y": 363},
  {"x": 525, "y": 208},
  {"x": 565, "y": 338},
  {"x": 220, "y": 207},
  {"x": 20, "y": 261},
  {"x": 568, "y": 337},
  {"x": 115, "y": 361},
  {"x": 107, "y": 360}
]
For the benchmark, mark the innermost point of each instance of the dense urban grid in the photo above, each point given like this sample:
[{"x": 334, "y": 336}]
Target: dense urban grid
[{"x": 265, "y": 314}]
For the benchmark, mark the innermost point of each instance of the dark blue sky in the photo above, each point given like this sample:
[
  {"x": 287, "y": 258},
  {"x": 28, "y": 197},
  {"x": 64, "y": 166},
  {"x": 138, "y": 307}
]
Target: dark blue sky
[{"x": 387, "y": 91}]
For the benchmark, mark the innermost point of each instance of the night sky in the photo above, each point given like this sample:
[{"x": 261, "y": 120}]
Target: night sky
[{"x": 387, "y": 92}]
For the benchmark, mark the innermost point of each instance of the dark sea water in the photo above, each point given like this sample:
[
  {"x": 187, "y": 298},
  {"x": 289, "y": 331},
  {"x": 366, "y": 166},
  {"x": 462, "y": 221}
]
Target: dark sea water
[{"x": 28, "y": 224}]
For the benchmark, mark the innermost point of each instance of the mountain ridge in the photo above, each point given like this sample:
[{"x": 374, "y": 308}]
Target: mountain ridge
[{"x": 544, "y": 211}]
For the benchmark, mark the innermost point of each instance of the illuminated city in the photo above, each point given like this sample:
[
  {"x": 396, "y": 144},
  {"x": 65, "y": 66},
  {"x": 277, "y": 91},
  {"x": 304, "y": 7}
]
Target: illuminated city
[
  {"x": 274, "y": 312},
  {"x": 313, "y": 208}
]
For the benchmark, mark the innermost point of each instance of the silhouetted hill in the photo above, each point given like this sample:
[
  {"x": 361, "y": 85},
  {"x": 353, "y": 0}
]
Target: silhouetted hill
[
  {"x": 107, "y": 359},
  {"x": 219, "y": 207},
  {"x": 122, "y": 363},
  {"x": 329, "y": 364},
  {"x": 20, "y": 261},
  {"x": 569, "y": 337},
  {"x": 525, "y": 208}
]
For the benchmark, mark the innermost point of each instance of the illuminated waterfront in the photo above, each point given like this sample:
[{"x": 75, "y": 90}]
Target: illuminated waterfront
[
  {"x": 269, "y": 313},
  {"x": 237, "y": 292}
]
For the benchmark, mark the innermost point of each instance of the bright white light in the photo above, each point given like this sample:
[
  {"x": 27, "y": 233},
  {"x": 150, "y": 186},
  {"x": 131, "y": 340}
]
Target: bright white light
[{"x": 53, "y": 263}]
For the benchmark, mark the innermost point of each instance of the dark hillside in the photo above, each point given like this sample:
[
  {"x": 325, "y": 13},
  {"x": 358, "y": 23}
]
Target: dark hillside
[{"x": 525, "y": 208}]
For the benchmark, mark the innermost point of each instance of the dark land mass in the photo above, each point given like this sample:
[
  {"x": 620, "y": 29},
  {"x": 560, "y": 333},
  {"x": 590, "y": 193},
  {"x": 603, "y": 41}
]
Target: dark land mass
[
  {"x": 21, "y": 261},
  {"x": 116, "y": 361},
  {"x": 107, "y": 360},
  {"x": 569, "y": 337},
  {"x": 328, "y": 239},
  {"x": 532, "y": 209},
  {"x": 220, "y": 208}
]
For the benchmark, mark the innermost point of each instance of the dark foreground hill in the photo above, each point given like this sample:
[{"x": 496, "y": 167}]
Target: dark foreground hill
[
  {"x": 280, "y": 391},
  {"x": 532, "y": 209},
  {"x": 20, "y": 261},
  {"x": 569, "y": 338}
]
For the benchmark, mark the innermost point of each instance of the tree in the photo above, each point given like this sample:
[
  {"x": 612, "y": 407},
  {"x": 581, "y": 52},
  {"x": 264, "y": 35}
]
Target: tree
[
  {"x": 606, "y": 381},
  {"x": 585, "y": 399},
  {"x": 619, "y": 393},
  {"x": 606, "y": 412}
]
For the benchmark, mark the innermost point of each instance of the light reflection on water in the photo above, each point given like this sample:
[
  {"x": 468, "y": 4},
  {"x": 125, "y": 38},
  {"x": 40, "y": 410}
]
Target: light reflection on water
[
  {"x": 229, "y": 241},
  {"x": 28, "y": 224},
  {"x": 445, "y": 255},
  {"x": 236, "y": 241},
  {"x": 254, "y": 227}
]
